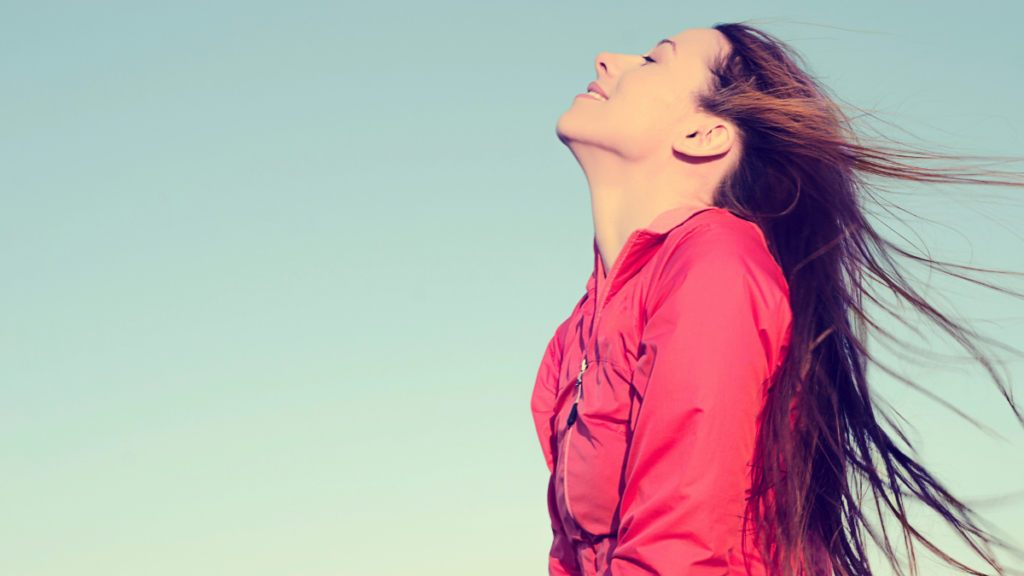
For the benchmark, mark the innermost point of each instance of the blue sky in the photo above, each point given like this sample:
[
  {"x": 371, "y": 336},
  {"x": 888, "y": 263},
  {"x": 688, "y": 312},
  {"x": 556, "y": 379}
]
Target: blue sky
[{"x": 277, "y": 276}]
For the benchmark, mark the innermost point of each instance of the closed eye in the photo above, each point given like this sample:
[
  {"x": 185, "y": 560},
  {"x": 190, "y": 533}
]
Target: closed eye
[{"x": 648, "y": 59}]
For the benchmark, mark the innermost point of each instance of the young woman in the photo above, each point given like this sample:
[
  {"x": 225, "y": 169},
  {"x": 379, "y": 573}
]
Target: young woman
[{"x": 704, "y": 409}]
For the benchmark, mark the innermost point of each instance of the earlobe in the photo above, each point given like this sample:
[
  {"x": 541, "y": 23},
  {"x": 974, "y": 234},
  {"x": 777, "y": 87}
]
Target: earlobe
[{"x": 713, "y": 139}]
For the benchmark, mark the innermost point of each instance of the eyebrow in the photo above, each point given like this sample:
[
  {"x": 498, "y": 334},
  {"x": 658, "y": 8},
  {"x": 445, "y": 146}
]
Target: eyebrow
[{"x": 667, "y": 41}]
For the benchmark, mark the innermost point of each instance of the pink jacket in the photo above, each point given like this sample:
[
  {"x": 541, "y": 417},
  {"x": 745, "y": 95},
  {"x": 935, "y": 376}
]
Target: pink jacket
[{"x": 647, "y": 400}]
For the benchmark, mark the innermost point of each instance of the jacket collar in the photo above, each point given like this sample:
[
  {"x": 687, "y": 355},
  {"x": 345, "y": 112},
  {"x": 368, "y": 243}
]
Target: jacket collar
[
  {"x": 641, "y": 245},
  {"x": 669, "y": 219}
]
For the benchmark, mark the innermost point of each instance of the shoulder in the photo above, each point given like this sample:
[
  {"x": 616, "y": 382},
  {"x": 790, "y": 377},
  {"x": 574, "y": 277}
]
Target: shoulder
[
  {"x": 719, "y": 232},
  {"x": 716, "y": 250}
]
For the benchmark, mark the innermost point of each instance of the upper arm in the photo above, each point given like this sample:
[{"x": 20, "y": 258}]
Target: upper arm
[{"x": 545, "y": 389}]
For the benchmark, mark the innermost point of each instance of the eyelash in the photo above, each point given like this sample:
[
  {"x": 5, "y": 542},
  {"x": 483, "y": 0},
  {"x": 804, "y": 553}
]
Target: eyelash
[{"x": 648, "y": 59}]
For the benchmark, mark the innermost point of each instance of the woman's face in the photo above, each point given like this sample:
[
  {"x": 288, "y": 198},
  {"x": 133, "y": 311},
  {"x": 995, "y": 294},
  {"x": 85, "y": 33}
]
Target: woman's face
[{"x": 640, "y": 105}]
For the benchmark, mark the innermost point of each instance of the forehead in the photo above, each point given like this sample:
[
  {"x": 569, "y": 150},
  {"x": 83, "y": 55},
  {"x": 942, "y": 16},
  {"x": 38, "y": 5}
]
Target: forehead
[{"x": 705, "y": 44}]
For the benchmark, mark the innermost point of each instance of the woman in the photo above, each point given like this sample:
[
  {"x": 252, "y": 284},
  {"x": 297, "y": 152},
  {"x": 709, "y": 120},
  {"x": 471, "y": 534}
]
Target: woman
[{"x": 704, "y": 409}]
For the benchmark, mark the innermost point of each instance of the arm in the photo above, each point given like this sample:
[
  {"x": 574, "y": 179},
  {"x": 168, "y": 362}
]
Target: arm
[
  {"x": 561, "y": 558},
  {"x": 545, "y": 388},
  {"x": 717, "y": 317}
]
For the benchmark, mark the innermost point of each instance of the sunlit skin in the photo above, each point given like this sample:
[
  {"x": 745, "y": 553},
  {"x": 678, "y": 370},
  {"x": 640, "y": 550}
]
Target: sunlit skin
[{"x": 647, "y": 148}]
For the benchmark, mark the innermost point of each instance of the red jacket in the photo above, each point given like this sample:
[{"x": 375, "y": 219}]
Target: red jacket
[{"x": 667, "y": 360}]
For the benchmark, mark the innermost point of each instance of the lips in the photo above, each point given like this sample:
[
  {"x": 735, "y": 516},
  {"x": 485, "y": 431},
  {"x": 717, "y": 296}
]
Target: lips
[{"x": 595, "y": 89}]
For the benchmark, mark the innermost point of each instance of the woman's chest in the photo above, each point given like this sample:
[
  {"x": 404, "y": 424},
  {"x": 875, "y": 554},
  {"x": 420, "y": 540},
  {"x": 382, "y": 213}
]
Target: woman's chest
[
  {"x": 596, "y": 404},
  {"x": 600, "y": 352}
]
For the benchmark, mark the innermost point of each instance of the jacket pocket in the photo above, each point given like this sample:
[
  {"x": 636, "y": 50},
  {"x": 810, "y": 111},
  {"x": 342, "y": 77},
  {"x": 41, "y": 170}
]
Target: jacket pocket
[{"x": 594, "y": 474}]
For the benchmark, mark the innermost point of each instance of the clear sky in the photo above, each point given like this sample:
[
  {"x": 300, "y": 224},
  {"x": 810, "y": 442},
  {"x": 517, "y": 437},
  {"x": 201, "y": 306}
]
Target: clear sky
[{"x": 277, "y": 276}]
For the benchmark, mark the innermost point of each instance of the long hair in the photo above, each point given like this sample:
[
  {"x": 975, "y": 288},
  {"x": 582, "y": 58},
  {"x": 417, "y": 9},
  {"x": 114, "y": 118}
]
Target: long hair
[{"x": 828, "y": 469}]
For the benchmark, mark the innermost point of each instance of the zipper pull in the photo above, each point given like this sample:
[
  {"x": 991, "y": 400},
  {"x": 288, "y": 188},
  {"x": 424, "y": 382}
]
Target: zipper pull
[
  {"x": 572, "y": 416},
  {"x": 579, "y": 394}
]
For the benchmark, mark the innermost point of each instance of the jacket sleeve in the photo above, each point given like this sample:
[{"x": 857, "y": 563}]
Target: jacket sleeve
[
  {"x": 561, "y": 558},
  {"x": 717, "y": 317}
]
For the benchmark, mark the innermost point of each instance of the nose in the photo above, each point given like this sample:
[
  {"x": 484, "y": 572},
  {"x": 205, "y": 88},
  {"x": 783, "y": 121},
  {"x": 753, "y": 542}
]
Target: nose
[{"x": 608, "y": 64}]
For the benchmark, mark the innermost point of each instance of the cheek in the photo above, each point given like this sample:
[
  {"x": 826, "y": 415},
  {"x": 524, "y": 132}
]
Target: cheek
[{"x": 643, "y": 123}]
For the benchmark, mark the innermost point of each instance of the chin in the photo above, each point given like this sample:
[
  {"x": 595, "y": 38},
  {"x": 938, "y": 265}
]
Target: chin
[{"x": 569, "y": 128}]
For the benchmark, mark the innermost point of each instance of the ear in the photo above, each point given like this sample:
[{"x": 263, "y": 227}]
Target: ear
[{"x": 712, "y": 137}]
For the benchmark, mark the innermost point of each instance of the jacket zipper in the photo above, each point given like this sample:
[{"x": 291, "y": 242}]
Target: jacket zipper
[
  {"x": 579, "y": 394},
  {"x": 568, "y": 434},
  {"x": 600, "y": 294}
]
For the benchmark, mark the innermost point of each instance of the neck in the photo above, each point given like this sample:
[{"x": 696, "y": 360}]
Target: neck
[{"x": 626, "y": 195}]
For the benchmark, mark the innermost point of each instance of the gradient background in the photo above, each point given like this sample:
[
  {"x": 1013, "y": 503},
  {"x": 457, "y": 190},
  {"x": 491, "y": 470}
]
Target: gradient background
[{"x": 276, "y": 277}]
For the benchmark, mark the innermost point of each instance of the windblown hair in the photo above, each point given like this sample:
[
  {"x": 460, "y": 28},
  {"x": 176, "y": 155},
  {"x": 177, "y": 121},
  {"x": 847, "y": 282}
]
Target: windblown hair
[{"x": 828, "y": 467}]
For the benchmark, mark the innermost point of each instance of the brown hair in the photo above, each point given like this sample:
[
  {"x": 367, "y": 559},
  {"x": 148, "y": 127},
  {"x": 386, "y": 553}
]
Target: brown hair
[{"x": 803, "y": 176}]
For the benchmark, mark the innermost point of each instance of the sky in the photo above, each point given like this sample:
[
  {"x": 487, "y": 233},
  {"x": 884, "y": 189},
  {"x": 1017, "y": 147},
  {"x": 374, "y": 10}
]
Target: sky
[{"x": 277, "y": 276}]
